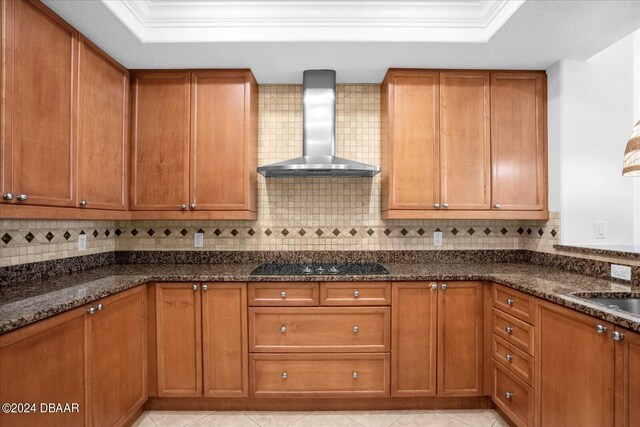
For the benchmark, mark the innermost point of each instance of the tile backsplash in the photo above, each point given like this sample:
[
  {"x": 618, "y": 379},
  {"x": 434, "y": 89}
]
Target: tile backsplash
[{"x": 293, "y": 214}]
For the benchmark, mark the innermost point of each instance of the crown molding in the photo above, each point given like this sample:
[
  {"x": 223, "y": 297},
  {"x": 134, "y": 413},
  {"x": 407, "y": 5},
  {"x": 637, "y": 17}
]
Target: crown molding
[{"x": 172, "y": 21}]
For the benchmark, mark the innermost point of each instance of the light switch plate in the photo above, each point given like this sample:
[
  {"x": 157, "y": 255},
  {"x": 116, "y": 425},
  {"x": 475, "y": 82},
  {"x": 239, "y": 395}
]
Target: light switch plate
[
  {"x": 198, "y": 240},
  {"x": 437, "y": 238},
  {"x": 621, "y": 272},
  {"x": 82, "y": 242},
  {"x": 601, "y": 230}
]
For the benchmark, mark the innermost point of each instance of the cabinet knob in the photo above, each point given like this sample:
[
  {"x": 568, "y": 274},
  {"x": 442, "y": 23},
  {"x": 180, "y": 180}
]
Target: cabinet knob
[
  {"x": 183, "y": 206},
  {"x": 83, "y": 203},
  {"x": 509, "y": 330},
  {"x": 354, "y": 375},
  {"x": 497, "y": 206},
  {"x": 443, "y": 286},
  {"x": 99, "y": 307},
  {"x": 195, "y": 287},
  {"x": 283, "y": 294},
  {"x": 434, "y": 286},
  {"x": 510, "y": 301},
  {"x": 617, "y": 336},
  {"x": 92, "y": 310},
  {"x": 508, "y": 357},
  {"x": 445, "y": 205},
  {"x": 284, "y": 376},
  {"x": 508, "y": 395},
  {"x": 205, "y": 287},
  {"x": 192, "y": 206},
  {"x": 601, "y": 329},
  {"x": 283, "y": 329},
  {"x": 436, "y": 205},
  {"x": 356, "y": 294},
  {"x": 356, "y": 329},
  {"x": 8, "y": 196},
  {"x": 22, "y": 197}
]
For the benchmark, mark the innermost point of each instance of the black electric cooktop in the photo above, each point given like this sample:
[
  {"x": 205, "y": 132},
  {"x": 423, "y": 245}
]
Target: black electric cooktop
[{"x": 304, "y": 269}]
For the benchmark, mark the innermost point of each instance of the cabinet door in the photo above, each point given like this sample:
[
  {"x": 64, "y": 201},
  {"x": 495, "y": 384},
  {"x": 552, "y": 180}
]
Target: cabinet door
[
  {"x": 45, "y": 362},
  {"x": 465, "y": 146},
  {"x": 413, "y": 339},
  {"x": 574, "y": 369},
  {"x": 118, "y": 356},
  {"x": 627, "y": 380},
  {"x": 160, "y": 141},
  {"x": 414, "y": 175},
  {"x": 224, "y": 342},
  {"x": 40, "y": 117},
  {"x": 221, "y": 149},
  {"x": 178, "y": 339},
  {"x": 103, "y": 129},
  {"x": 460, "y": 339},
  {"x": 518, "y": 140}
]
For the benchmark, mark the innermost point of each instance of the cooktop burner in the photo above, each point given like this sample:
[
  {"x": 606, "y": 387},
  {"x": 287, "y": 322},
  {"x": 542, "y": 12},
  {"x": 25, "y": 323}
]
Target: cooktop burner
[{"x": 280, "y": 269}]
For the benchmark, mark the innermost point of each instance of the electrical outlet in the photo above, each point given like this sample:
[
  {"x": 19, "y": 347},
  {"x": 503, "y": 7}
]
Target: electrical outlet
[
  {"x": 601, "y": 230},
  {"x": 198, "y": 240},
  {"x": 437, "y": 238},
  {"x": 82, "y": 242},
  {"x": 621, "y": 272}
]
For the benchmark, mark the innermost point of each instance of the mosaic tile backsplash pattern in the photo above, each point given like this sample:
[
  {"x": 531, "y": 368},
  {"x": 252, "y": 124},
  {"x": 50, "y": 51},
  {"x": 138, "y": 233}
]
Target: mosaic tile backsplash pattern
[{"x": 311, "y": 214}]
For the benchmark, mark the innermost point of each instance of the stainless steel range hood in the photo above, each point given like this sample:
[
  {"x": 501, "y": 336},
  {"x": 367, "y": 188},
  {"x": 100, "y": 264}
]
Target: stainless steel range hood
[{"x": 319, "y": 136}]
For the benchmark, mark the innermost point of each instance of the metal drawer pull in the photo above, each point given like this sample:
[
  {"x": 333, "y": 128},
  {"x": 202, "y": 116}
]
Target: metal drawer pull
[
  {"x": 99, "y": 307},
  {"x": 354, "y": 375},
  {"x": 356, "y": 294},
  {"x": 601, "y": 329},
  {"x": 195, "y": 287},
  {"x": 205, "y": 287},
  {"x": 509, "y": 330},
  {"x": 22, "y": 197},
  {"x": 91, "y": 310},
  {"x": 356, "y": 329},
  {"x": 443, "y": 286},
  {"x": 510, "y": 301},
  {"x": 617, "y": 336},
  {"x": 284, "y": 376},
  {"x": 434, "y": 286},
  {"x": 508, "y": 395},
  {"x": 283, "y": 329},
  {"x": 283, "y": 294},
  {"x": 508, "y": 357}
]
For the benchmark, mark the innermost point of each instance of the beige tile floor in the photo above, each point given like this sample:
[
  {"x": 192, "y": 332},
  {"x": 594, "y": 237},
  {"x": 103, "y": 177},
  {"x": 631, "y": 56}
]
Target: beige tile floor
[{"x": 444, "y": 418}]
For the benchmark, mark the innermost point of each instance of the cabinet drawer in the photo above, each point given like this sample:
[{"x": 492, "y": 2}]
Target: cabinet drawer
[
  {"x": 283, "y": 294},
  {"x": 513, "y": 396},
  {"x": 513, "y": 331},
  {"x": 513, "y": 359},
  {"x": 350, "y": 293},
  {"x": 319, "y": 375},
  {"x": 515, "y": 303},
  {"x": 319, "y": 329}
]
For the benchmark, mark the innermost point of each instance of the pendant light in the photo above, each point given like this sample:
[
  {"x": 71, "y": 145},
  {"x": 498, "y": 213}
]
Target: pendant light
[{"x": 631, "y": 165}]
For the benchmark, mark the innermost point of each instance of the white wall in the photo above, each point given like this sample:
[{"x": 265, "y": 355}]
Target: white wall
[
  {"x": 591, "y": 115},
  {"x": 636, "y": 118}
]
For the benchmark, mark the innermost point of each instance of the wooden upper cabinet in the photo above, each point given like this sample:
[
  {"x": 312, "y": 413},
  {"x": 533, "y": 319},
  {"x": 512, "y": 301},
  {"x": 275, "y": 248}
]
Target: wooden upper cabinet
[
  {"x": 413, "y": 178},
  {"x": 223, "y": 166},
  {"x": 103, "y": 130},
  {"x": 40, "y": 84},
  {"x": 160, "y": 141},
  {"x": 518, "y": 140},
  {"x": 465, "y": 140},
  {"x": 574, "y": 369}
]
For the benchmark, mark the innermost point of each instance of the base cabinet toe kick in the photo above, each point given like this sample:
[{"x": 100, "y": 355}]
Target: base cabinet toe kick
[{"x": 323, "y": 346}]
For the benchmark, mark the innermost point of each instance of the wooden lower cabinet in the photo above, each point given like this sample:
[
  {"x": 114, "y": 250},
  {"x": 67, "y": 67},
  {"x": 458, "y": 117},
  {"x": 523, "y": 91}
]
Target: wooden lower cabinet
[
  {"x": 201, "y": 339},
  {"x": 118, "y": 369},
  {"x": 574, "y": 369},
  {"x": 45, "y": 362},
  {"x": 627, "y": 379}
]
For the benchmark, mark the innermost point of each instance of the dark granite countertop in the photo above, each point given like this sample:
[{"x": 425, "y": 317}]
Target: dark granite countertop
[{"x": 27, "y": 302}]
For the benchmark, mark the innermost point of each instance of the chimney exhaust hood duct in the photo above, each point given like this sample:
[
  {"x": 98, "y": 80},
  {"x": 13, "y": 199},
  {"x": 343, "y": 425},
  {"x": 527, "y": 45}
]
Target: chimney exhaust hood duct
[{"x": 319, "y": 136}]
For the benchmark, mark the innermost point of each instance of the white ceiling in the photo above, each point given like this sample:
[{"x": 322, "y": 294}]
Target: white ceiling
[{"x": 360, "y": 39}]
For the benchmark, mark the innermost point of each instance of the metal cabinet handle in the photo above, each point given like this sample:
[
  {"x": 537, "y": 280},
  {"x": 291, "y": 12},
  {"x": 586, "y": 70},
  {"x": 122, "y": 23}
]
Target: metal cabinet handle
[
  {"x": 601, "y": 329},
  {"x": 192, "y": 206},
  {"x": 354, "y": 375},
  {"x": 617, "y": 336},
  {"x": 99, "y": 307},
  {"x": 508, "y": 357},
  {"x": 8, "y": 196},
  {"x": 183, "y": 206},
  {"x": 356, "y": 329},
  {"x": 445, "y": 205},
  {"x": 508, "y": 395},
  {"x": 284, "y": 376},
  {"x": 497, "y": 206},
  {"x": 436, "y": 205},
  {"x": 205, "y": 287},
  {"x": 356, "y": 294},
  {"x": 283, "y": 294},
  {"x": 434, "y": 286},
  {"x": 443, "y": 286},
  {"x": 195, "y": 287},
  {"x": 92, "y": 310},
  {"x": 22, "y": 197},
  {"x": 83, "y": 203},
  {"x": 509, "y": 330},
  {"x": 283, "y": 329},
  {"x": 510, "y": 301}
]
